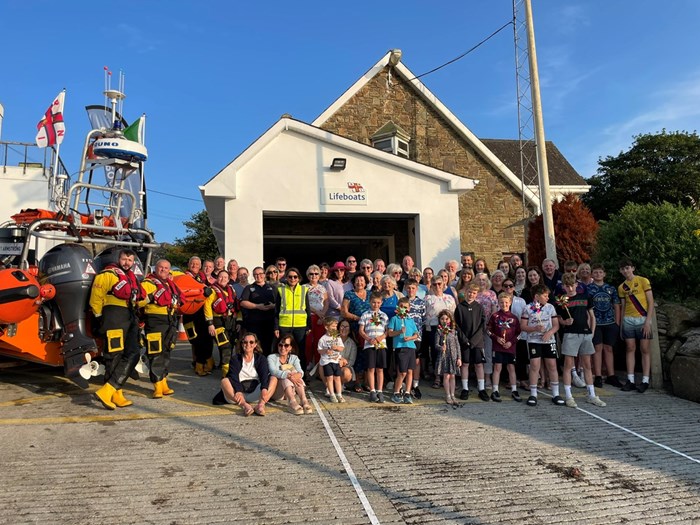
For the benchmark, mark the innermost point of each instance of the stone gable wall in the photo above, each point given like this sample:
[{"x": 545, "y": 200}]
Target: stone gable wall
[{"x": 489, "y": 214}]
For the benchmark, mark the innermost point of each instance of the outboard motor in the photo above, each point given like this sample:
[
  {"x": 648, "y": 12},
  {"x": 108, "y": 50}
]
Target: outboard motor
[{"x": 70, "y": 269}]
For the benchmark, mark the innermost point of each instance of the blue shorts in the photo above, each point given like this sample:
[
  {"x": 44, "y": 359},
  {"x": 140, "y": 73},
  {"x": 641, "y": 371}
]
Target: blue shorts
[{"x": 632, "y": 328}]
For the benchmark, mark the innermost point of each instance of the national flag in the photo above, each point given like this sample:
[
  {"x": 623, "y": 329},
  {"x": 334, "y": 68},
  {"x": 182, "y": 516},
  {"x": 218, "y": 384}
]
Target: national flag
[
  {"x": 51, "y": 127},
  {"x": 137, "y": 130}
]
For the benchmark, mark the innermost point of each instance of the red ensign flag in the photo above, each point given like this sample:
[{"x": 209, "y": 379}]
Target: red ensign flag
[{"x": 51, "y": 127}]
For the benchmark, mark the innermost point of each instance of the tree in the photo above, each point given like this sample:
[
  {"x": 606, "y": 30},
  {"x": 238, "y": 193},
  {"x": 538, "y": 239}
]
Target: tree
[
  {"x": 199, "y": 241},
  {"x": 662, "y": 242},
  {"x": 658, "y": 167},
  {"x": 575, "y": 231}
]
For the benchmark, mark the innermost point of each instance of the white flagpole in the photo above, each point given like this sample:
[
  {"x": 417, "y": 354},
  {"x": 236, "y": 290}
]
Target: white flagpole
[
  {"x": 142, "y": 193},
  {"x": 55, "y": 193}
]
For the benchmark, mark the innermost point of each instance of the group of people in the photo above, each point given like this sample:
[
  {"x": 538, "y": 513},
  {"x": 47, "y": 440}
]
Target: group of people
[{"x": 361, "y": 325}]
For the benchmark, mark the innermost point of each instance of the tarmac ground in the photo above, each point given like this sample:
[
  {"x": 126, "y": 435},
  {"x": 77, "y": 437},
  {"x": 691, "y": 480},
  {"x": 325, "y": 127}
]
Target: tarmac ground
[{"x": 181, "y": 460}]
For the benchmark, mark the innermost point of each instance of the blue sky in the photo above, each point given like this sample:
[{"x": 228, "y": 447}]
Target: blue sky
[{"x": 213, "y": 76}]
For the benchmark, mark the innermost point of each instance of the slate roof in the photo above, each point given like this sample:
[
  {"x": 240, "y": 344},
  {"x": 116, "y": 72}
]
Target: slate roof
[{"x": 561, "y": 173}]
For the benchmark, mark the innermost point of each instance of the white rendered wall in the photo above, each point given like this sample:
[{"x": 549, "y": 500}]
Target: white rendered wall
[{"x": 286, "y": 176}]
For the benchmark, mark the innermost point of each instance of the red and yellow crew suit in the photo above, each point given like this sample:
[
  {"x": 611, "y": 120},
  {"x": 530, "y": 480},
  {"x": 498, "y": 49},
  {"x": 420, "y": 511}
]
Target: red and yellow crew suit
[
  {"x": 160, "y": 329},
  {"x": 113, "y": 301},
  {"x": 197, "y": 333},
  {"x": 220, "y": 310}
]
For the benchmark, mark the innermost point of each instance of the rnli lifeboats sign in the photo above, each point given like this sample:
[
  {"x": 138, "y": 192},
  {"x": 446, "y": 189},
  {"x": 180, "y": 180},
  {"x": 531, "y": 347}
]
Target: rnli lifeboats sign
[{"x": 353, "y": 195}]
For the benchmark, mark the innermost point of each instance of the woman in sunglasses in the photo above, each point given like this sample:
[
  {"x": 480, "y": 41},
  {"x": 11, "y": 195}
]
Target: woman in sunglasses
[
  {"x": 272, "y": 276},
  {"x": 248, "y": 378},
  {"x": 287, "y": 376},
  {"x": 293, "y": 312}
]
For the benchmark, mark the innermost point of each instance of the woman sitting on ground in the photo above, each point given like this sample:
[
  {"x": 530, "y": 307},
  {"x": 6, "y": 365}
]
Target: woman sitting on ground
[
  {"x": 248, "y": 378},
  {"x": 287, "y": 377}
]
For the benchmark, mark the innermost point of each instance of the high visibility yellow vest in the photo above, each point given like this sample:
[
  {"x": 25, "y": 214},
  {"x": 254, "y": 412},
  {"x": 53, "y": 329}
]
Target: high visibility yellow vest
[{"x": 292, "y": 306}]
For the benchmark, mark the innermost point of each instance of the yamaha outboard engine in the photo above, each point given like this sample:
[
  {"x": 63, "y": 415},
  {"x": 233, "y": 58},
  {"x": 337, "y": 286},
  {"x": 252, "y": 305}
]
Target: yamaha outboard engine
[{"x": 69, "y": 267}]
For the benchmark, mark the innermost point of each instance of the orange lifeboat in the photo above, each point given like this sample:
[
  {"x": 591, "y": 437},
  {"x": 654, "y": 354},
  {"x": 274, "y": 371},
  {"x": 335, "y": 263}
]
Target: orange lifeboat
[{"x": 21, "y": 295}]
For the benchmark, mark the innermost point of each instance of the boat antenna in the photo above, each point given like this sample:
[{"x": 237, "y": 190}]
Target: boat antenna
[{"x": 115, "y": 96}]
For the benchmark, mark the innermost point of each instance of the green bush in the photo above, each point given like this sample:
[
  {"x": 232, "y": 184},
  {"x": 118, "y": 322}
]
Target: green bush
[{"x": 661, "y": 240}]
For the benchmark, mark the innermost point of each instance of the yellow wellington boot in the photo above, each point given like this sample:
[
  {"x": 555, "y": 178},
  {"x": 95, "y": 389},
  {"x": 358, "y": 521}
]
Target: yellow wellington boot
[
  {"x": 104, "y": 395},
  {"x": 119, "y": 400},
  {"x": 199, "y": 370},
  {"x": 224, "y": 370},
  {"x": 167, "y": 391},
  {"x": 158, "y": 390},
  {"x": 209, "y": 365}
]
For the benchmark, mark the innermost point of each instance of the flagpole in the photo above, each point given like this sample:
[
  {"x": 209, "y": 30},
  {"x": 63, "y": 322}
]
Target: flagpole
[
  {"x": 54, "y": 173},
  {"x": 142, "y": 193}
]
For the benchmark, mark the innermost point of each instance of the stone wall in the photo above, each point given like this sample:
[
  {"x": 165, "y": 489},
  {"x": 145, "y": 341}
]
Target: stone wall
[
  {"x": 679, "y": 339},
  {"x": 490, "y": 215}
]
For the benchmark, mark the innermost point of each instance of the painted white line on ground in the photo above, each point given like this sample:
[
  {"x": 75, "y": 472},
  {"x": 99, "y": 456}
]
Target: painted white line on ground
[
  {"x": 348, "y": 469},
  {"x": 636, "y": 434}
]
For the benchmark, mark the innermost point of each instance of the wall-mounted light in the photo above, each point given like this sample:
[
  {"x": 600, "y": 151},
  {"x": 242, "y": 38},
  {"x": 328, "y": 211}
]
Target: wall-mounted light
[{"x": 338, "y": 164}]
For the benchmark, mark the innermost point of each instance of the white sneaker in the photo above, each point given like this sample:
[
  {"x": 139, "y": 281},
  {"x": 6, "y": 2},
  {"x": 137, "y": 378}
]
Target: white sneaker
[
  {"x": 595, "y": 400},
  {"x": 577, "y": 381},
  {"x": 327, "y": 393},
  {"x": 570, "y": 403}
]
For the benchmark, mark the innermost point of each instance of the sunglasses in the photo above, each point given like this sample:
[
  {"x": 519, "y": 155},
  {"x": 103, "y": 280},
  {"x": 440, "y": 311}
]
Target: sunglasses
[
  {"x": 292, "y": 277},
  {"x": 313, "y": 273},
  {"x": 284, "y": 345},
  {"x": 508, "y": 286},
  {"x": 271, "y": 273},
  {"x": 248, "y": 342}
]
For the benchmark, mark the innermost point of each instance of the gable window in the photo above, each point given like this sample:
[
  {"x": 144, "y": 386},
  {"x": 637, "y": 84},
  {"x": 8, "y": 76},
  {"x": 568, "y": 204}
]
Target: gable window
[{"x": 392, "y": 139}]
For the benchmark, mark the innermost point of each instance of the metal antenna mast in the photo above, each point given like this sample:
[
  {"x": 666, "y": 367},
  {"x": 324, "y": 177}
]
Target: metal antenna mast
[
  {"x": 526, "y": 129},
  {"x": 533, "y": 156}
]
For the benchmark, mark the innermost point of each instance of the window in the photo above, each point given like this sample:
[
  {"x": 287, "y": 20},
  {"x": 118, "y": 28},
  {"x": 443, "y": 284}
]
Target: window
[{"x": 392, "y": 139}]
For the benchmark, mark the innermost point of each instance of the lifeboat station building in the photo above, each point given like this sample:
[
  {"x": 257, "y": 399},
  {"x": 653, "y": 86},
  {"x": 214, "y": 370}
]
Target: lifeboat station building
[{"x": 387, "y": 170}]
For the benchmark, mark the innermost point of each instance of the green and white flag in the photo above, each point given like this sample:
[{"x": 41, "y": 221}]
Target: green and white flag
[{"x": 137, "y": 131}]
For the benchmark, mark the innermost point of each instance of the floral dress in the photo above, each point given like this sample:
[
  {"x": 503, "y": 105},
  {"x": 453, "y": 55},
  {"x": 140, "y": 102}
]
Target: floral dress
[{"x": 447, "y": 344}]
